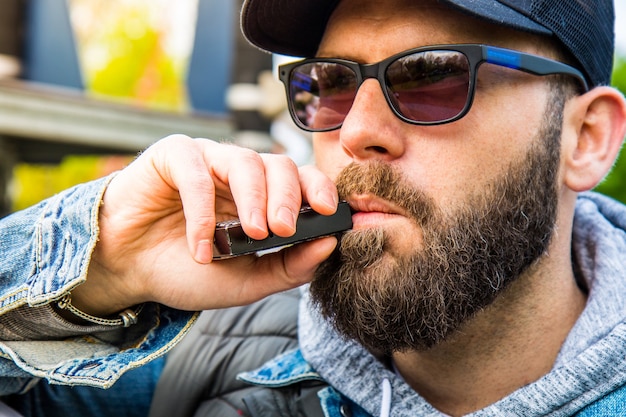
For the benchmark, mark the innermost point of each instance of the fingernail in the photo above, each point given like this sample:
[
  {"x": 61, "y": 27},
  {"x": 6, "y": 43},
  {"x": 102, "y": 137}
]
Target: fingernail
[
  {"x": 204, "y": 252},
  {"x": 287, "y": 216},
  {"x": 329, "y": 199},
  {"x": 257, "y": 219}
]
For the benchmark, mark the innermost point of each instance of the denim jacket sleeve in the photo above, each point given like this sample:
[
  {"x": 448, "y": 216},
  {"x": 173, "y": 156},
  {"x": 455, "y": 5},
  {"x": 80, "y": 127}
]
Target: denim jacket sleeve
[{"x": 44, "y": 253}]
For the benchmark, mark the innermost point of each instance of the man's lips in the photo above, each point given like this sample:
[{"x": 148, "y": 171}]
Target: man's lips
[{"x": 371, "y": 211}]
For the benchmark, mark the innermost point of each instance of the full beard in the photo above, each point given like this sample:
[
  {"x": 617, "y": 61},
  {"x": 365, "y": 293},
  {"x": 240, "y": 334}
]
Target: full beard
[{"x": 392, "y": 302}]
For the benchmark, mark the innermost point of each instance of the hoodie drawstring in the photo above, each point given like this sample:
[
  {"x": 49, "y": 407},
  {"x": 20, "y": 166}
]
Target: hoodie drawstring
[{"x": 385, "y": 406}]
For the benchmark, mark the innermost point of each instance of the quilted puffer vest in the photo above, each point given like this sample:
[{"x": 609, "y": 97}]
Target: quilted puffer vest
[{"x": 200, "y": 375}]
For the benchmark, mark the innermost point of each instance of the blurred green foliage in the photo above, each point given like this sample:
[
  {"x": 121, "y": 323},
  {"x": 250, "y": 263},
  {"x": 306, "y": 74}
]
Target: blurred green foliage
[
  {"x": 35, "y": 182},
  {"x": 126, "y": 54},
  {"x": 132, "y": 50},
  {"x": 140, "y": 68},
  {"x": 614, "y": 184}
]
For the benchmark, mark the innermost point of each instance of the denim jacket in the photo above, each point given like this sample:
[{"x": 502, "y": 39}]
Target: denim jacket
[
  {"x": 291, "y": 368},
  {"x": 45, "y": 252}
]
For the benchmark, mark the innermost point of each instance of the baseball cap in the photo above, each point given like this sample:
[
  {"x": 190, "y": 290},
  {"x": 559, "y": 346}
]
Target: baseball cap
[{"x": 585, "y": 28}]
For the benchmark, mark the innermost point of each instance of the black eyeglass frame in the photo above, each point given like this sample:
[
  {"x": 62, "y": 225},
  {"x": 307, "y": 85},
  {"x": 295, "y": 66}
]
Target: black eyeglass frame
[{"x": 476, "y": 54}]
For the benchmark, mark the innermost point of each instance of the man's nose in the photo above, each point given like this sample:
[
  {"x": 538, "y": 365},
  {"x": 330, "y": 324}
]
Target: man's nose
[{"x": 371, "y": 129}]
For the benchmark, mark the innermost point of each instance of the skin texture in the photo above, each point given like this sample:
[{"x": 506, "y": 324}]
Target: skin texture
[{"x": 155, "y": 242}]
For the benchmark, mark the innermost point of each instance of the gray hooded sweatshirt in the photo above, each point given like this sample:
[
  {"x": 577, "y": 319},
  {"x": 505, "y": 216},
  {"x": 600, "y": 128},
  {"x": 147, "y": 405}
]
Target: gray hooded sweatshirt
[{"x": 590, "y": 365}]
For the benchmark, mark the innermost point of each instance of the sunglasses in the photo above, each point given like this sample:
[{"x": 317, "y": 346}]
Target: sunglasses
[{"x": 423, "y": 86}]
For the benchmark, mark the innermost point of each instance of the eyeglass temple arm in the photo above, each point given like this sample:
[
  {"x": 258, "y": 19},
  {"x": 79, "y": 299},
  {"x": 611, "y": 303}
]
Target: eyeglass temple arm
[{"x": 530, "y": 63}]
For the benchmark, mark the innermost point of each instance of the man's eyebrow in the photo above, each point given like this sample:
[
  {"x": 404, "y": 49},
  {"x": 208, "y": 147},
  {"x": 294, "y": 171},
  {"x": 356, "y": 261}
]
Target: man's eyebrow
[
  {"x": 350, "y": 56},
  {"x": 335, "y": 56}
]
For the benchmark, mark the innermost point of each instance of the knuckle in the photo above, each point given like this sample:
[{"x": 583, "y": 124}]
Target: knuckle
[
  {"x": 249, "y": 155},
  {"x": 283, "y": 160},
  {"x": 176, "y": 139}
]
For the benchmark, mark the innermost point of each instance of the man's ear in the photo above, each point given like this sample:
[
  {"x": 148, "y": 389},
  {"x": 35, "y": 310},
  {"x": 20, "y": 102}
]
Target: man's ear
[{"x": 594, "y": 126}]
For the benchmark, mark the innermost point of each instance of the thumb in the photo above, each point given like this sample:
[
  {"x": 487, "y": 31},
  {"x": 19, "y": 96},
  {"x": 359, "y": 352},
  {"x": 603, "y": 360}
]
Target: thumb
[
  {"x": 302, "y": 260},
  {"x": 287, "y": 269}
]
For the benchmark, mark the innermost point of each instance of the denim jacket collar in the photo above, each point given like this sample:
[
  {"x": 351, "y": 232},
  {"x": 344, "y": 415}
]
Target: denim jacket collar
[
  {"x": 291, "y": 368},
  {"x": 285, "y": 369}
]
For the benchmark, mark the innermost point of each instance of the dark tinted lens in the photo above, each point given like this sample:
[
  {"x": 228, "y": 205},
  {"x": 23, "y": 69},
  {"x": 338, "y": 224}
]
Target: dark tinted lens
[
  {"x": 429, "y": 86},
  {"x": 321, "y": 94}
]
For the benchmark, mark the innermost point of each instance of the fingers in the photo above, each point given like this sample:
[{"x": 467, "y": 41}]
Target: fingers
[
  {"x": 268, "y": 189},
  {"x": 240, "y": 174},
  {"x": 284, "y": 194},
  {"x": 318, "y": 190},
  {"x": 178, "y": 161},
  {"x": 287, "y": 185},
  {"x": 265, "y": 189},
  {"x": 220, "y": 181}
]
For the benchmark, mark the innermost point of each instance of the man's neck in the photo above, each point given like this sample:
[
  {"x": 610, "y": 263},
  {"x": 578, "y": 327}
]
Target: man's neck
[{"x": 511, "y": 343}]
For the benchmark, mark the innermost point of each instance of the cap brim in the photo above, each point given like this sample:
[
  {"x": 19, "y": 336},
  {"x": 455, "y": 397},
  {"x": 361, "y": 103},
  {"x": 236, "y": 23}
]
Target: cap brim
[{"x": 296, "y": 27}]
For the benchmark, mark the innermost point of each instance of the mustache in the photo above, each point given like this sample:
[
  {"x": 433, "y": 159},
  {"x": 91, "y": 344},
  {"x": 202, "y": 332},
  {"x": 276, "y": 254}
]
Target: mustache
[{"x": 382, "y": 180}]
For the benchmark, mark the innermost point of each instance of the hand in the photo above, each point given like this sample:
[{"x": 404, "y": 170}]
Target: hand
[{"x": 158, "y": 218}]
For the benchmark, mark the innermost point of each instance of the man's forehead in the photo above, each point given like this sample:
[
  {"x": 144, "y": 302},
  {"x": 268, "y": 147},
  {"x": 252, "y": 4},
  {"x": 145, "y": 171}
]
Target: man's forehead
[
  {"x": 371, "y": 30},
  {"x": 373, "y": 12}
]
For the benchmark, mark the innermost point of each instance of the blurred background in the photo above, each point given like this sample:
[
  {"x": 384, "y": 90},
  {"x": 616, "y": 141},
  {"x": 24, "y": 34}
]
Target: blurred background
[{"x": 87, "y": 84}]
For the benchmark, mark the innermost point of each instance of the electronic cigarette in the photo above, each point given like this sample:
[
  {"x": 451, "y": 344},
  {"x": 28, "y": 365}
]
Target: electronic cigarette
[{"x": 230, "y": 239}]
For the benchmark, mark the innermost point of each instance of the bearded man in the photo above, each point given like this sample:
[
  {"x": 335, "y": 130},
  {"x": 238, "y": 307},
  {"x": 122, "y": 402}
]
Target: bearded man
[{"x": 480, "y": 277}]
